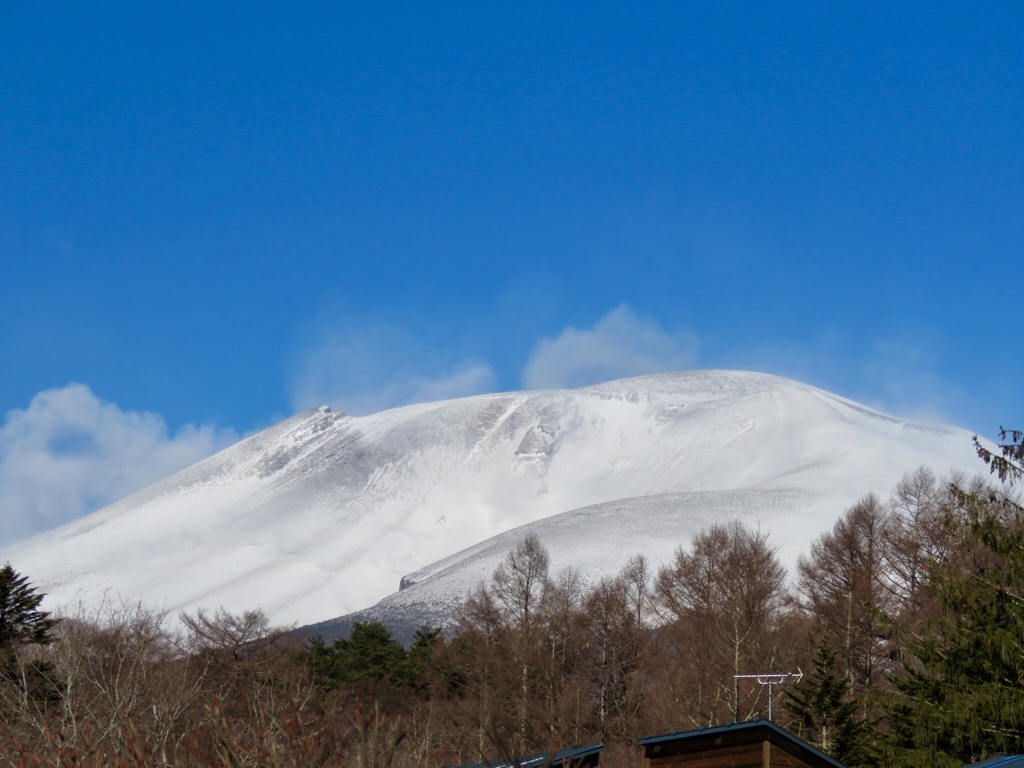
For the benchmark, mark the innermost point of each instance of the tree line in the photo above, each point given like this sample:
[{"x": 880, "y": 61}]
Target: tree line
[{"x": 906, "y": 618}]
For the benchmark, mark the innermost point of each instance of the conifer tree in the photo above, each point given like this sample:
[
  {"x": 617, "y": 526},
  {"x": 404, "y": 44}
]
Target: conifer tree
[
  {"x": 21, "y": 621},
  {"x": 417, "y": 661},
  {"x": 22, "y": 624},
  {"x": 1008, "y": 463},
  {"x": 825, "y": 711},
  {"x": 960, "y": 697},
  {"x": 369, "y": 653}
]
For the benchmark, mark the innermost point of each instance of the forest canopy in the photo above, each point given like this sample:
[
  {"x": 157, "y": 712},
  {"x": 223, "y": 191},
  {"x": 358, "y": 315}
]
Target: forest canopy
[{"x": 905, "y": 619}]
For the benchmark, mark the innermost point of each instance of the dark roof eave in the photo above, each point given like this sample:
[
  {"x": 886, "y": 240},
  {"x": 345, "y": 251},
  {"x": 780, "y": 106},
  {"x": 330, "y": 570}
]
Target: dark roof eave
[
  {"x": 564, "y": 758},
  {"x": 776, "y": 735}
]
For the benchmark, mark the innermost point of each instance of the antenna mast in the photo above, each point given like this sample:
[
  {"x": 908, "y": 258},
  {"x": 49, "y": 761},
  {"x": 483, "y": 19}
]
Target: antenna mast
[{"x": 772, "y": 679}]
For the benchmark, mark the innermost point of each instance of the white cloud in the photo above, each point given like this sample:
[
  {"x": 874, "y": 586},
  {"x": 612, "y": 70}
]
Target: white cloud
[
  {"x": 374, "y": 368},
  {"x": 618, "y": 346},
  {"x": 69, "y": 453},
  {"x": 901, "y": 374},
  {"x": 470, "y": 377},
  {"x": 367, "y": 368}
]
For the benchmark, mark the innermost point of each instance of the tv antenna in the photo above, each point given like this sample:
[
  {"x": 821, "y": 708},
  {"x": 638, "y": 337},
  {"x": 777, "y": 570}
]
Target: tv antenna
[{"x": 771, "y": 679}]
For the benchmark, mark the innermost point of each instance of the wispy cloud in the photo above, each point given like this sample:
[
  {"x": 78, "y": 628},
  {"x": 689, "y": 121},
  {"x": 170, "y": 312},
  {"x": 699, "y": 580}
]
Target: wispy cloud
[
  {"x": 69, "y": 453},
  {"x": 371, "y": 368},
  {"x": 901, "y": 373},
  {"x": 470, "y": 377},
  {"x": 619, "y": 345}
]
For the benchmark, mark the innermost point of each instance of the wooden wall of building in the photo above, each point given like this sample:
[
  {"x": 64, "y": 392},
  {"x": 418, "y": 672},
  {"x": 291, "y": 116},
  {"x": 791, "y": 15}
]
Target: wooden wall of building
[{"x": 761, "y": 754}]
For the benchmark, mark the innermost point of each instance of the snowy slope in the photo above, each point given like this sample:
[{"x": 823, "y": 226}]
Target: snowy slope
[
  {"x": 596, "y": 541},
  {"x": 324, "y": 513}
]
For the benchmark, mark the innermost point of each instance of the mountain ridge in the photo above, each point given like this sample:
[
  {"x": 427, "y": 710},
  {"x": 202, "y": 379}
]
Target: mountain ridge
[{"x": 324, "y": 513}]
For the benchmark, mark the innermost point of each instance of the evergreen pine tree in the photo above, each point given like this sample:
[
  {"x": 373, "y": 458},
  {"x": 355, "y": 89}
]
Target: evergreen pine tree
[
  {"x": 417, "y": 661},
  {"x": 320, "y": 658},
  {"x": 1008, "y": 463},
  {"x": 825, "y": 712},
  {"x": 369, "y": 653},
  {"x": 960, "y": 697},
  {"x": 21, "y": 621}
]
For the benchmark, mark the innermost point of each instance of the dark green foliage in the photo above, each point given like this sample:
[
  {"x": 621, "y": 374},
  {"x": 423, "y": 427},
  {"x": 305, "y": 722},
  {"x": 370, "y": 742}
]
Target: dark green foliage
[
  {"x": 370, "y": 653},
  {"x": 23, "y": 624},
  {"x": 319, "y": 657},
  {"x": 419, "y": 658},
  {"x": 1008, "y": 464},
  {"x": 38, "y": 681},
  {"x": 960, "y": 696},
  {"x": 825, "y": 712},
  {"x": 21, "y": 621}
]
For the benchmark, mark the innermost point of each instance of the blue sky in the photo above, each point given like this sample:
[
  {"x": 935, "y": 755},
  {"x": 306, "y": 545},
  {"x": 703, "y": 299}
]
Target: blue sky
[{"x": 212, "y": 216}]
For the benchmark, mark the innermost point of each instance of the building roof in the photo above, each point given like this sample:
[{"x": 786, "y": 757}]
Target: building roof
[
  {"x": 563, "y": 758},
  {"x": 739, "y": 733},
  {"x": 1002, "y": 761}
]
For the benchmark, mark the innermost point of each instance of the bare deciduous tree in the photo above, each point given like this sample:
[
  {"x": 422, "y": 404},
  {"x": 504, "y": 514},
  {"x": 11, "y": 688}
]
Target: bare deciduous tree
[
  {"x": 917, "y": 533},
  {"x": 843, "y": 583},
  {"x": 636, "y": 577},
  {"x": 520, "y": 580},
  {"x": 224, "y": 632},
  {"x": 724, "y": 598}
]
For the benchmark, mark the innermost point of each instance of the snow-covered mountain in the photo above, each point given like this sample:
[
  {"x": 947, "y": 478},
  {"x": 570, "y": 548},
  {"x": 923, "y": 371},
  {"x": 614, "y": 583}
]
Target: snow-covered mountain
[{"x": 324, "y": 514}]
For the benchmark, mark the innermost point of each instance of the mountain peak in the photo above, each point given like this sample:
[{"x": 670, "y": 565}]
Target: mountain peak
[{"x": 325, "y": 513}]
